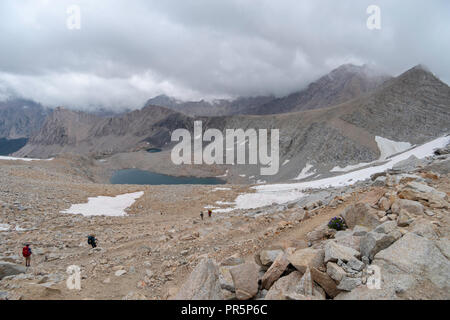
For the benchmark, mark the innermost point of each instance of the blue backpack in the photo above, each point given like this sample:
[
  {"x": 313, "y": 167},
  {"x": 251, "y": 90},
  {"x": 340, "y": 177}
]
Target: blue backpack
[{"x": 91, "y": 240}]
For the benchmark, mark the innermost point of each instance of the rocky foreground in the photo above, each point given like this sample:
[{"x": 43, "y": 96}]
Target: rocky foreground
[
  {"x": 398, "y": 221},
  {"x": 395, "y": 246}
]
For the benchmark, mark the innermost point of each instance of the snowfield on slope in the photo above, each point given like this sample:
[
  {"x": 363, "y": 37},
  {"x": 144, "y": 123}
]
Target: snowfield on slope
[
  {"x": 23, "y": 159},
  {"x": 387, "y": 148},
  {"x": 105, "y": 206},
  {"x": 4, "y": 227},
  {"x": 283, "y": 193},
  {"x": 304, "y": 173}
]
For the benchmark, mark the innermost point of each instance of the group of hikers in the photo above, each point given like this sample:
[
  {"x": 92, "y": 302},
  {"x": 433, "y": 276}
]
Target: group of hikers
[
  {"x": 92, "y": 241},
  {"x": 26, "y": 251},
  {"x": 209, "y": 214}
]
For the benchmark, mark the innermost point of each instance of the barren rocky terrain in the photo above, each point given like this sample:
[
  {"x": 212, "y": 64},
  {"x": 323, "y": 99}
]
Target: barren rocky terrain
[
  {"x": 162, "y": 249},
  {"x": 413, "y": 108}
]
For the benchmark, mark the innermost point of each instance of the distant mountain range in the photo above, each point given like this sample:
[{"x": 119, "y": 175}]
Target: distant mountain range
[
  {"x": 75, "y": 131},
  {"x": 340, "y": 85},
  {"x": 20, "y": 118},
  {"x": 221, "y": 107},
  {"x": 67, "y": 128},
  {"x": 413, "y": 107}
]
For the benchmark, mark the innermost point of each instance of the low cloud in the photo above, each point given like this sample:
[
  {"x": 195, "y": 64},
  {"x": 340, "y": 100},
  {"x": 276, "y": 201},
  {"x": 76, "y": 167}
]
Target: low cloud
[{"x": 129, "y": 51}]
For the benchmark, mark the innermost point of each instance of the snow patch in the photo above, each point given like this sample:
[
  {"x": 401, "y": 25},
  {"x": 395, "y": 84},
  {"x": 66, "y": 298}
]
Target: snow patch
[
  {"x": 388, "y": 147},
  {"x": 221, "y": 189},
  {"x": 351, "y": 167},
  {"x": 105, "y": 206},
  {"x": 221, "y": 203},
  {"x": 304, "y": 173},
  {"x": 420, "y": 152},
  {"x": 226, "y": 174},
  {"x": 283, "y": 193},
  {"x": 226, "y": 210},
  {"x": 4, "y": 227},
  {"x": 23, "y": 159},
  {"x": 262, "y": 199}
]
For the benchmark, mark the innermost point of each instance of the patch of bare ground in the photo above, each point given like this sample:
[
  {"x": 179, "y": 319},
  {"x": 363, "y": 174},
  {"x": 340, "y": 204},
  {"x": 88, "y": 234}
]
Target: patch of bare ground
[{"x": 150, "y": 252}]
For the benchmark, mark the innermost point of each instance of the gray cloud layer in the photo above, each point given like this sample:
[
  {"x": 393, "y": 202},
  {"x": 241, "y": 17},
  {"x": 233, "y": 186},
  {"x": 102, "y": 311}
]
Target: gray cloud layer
[{"x": 129, "y": 51}]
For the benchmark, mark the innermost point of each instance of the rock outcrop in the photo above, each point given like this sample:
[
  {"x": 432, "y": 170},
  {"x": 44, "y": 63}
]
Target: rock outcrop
[
  {"x": 202, "y": 284},
  {"x": 360, "y": 214},
  {"x": 335, "y": 252},
  {"x": 20, "y": 118},
  {"x": 245, "y": 279},
  {"x": 275, "y": 271},
  {"x": 411, "y": 268},
  {"x": 295, "y": 286},
  {"x": 306, "y": 258},
  {"x": 10, "y": 269}
]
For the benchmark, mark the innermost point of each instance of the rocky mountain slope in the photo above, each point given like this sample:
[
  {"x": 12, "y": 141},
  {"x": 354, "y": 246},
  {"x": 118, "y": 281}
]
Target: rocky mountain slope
[
  {"x": 340, "y": 85},
  {"x": 393, "y": 245},
  {"x": 397, "y": 221},
  {"x": 220, "y": 107},
  {"x": 20, "y": 118},
  {"x": 75, "y": 131},
  {"x": 413, "y": 107}
]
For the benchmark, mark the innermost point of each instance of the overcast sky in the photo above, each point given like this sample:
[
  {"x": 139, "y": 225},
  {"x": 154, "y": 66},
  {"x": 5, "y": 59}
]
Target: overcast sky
[{"x": 130, "y": 50}]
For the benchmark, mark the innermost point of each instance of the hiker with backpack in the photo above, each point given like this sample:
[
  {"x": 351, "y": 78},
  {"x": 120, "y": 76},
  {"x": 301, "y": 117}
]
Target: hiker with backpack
[
  {"x": 209, "y": 213},
  {"x": 26, "y": 252},
  {"x": 201, "y": 214},
  {"x": 92, "y": 241}
]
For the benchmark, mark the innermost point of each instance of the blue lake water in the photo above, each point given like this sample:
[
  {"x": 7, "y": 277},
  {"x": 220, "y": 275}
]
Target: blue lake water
[
  {"x": 154, "y": 150},
  {"x": 8, "y": 146},
  {"x": 136, "y": 176}
]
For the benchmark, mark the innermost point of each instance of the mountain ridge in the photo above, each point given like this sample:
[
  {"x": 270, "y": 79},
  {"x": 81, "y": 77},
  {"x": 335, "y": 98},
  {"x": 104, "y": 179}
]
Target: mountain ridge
[
  {"x": 413, "y": 107},
  {"x": 20, "y": 118},
  {"x": 342, "y": 84}
]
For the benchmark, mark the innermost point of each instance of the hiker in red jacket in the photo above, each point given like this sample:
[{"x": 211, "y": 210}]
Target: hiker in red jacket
[{"x": 26, "y": 252}]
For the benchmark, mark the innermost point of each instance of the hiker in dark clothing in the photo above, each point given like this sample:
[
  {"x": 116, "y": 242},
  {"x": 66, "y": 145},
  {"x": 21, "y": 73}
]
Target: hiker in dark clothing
[
  {"x": 209, "y": 213},
  {"x": 92, "y": 241},
  {"x": 201, "y": 214},
  {"x": 26, "y": 252}
]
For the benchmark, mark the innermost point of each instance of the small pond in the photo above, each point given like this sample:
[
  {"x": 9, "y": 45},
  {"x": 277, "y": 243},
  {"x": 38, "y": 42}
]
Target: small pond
[
  {"x": 8, "y": 146},
  {"x": 136, "y": 176},
  {"x": 154, "y": 150}
]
